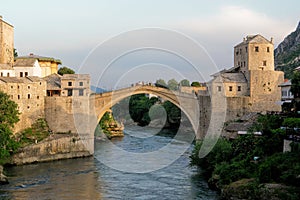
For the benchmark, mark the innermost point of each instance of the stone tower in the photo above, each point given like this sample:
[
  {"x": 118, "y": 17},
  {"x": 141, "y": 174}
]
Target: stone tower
[
  {"x": 254, "y": 58},
  {"x": 6, "y": 43}
]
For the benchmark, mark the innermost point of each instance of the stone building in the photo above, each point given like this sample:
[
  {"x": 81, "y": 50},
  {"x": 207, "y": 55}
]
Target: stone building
[
  {"x": 29, "y": 93},
  {"x": 6, "y": 43},
  {"x": 27, "y": 67},
  {"x": 252, "y": 84},
  {"x": 48, "y": 65}
]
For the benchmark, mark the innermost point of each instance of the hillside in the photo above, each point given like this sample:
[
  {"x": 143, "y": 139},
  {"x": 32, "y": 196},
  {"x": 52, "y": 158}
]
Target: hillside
[{"x": 287, "y": 54}]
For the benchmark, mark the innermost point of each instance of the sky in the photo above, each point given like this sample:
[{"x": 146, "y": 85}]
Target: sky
[{"x": 190, "y": 39}]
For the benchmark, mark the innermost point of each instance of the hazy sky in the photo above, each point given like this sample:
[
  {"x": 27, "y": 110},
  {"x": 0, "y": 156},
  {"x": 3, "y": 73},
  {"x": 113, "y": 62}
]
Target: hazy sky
[{"x": 71, "y": 29}]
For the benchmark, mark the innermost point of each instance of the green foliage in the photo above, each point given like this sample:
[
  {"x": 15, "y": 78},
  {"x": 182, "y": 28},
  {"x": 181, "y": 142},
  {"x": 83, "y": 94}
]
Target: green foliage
[
  {"x": 185, "y": 82},
  {"x": 173, "y": 84},
  {"x": 281, "y": 168},
  {"x": 161, "y": 83},
  {"x": 65, "y": 70},
  {"x": 9, "y": 115},
  {"x": 295, "y": 88},
  {"x": 291, "y": 122},
  {"x": 15, "y": 53},
  {"x": 105, "y": 121},
  {"x": 234, "y": 160},
  {"x": 139, "y": 106},
  {"x": 173, "y": 112},
  {"x": 195, "y": 84},
  {"x": 36, "y": 133}
]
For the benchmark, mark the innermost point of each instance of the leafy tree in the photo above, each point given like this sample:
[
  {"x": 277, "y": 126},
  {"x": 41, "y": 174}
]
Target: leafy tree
[
  {"x": 295, "y": 88},
  {"x": 173, "y": 112},
  {"x": 161, "y": 83},
  {"x": 65, "y": 70},
  {"x": 9, "y": 115},
  {"x": 15, "y": 53},
  {"x": 195, "y": 84},
  {"x": 173, "y": 84},
  {"x": 185, "y": 82}
]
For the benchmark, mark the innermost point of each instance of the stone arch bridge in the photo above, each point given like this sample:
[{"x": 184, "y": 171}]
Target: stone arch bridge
[{"x": 87, "y": 111}]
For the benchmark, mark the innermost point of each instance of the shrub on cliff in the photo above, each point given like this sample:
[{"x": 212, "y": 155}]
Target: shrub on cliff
[{"x": 9, "y": 115}]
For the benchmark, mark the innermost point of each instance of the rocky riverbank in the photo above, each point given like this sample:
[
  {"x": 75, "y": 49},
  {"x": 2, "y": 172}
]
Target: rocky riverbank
[
  {"x": 55, "y": 147},
  {"x": 3, "y": 178}
]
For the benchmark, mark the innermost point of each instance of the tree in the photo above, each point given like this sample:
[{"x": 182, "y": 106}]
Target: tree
[
  {"x": 195, "y": 84},
  {"x": 15, "y": 53},
  {"x": 161, "y": 83},
  {"x": 65, "y": 70},
  {"x": 185, "y": 82},
  {"x": 295, "y": 88},
  {"x": 9, "y": 115},
  {"x": 173, "y": 84}
]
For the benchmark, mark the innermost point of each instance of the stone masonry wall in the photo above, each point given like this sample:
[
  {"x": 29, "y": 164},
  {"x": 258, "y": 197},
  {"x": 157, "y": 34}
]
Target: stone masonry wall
[{"x": 54, "y": 148}]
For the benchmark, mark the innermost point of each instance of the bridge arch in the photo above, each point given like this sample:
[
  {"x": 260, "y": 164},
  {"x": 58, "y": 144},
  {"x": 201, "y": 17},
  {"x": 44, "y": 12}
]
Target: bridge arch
[{"x": 188, "y": 103}]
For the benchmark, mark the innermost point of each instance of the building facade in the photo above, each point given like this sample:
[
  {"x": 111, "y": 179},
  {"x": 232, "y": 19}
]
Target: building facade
[{"x": 252, "y": 79}]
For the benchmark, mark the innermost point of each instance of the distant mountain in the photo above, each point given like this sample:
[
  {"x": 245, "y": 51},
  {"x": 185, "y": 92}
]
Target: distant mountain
[
  {"x": 287, "y": 54},
  {"x": 97, "y": 89}
]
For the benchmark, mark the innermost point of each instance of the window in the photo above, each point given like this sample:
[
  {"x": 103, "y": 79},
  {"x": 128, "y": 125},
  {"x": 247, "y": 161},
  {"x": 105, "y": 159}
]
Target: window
[
  {"x": 28, "y": 107},
  {"x": 239, "y": 88},
  {"x": 69, "y": 83},
  {"x": 7, "y": 74},
  {"x": 80, "y": 83},
  {"x": 70, "y": 92},
  {"x": 11, "y": 87},
  {"x": 230, "y": 88},
  {"x": 246, "y": 49},
  {"x": 284, "y": 93},
  {"x": 244, "y": 64},
  {"x": 18, "y": 87},
  {"x": 26, "y": 74},
  {"x": 38, "y": 97},
  {"x": 28, "y": 96},
  {"x": 219, "y": 88},
  {"x": 81, "y": 92},
  {"x": 240, "y": 51},
  {"x": 21, "y": 74},
  {"x": 18, "y": 96},
  {"x": 256, "y": 49},
  {"x": 264, "y": 63},
  {"x": 28, "y": 87},
  {"x": 1, "y": 74},
  {"x": 268, "y": 49}
]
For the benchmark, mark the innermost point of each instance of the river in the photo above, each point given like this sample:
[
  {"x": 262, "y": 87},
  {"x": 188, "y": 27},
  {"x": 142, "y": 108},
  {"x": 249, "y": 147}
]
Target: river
[{"x": 89, "y": 178}]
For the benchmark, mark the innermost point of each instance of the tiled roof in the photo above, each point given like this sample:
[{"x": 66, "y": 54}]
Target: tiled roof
[
  {"x": 40, "y": 58},
  {"x": 254, "y": 39},
  {"x": 20, "y": 80},
  {"x": 233, "y": 77},
  {"x": 25, "y": 62},
  {"x": 53, "y": 82},
  {"x": 5, "y": 67}
]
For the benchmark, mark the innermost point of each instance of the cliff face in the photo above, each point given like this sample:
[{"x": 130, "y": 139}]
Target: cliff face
[{"x": 287, "y": 54}]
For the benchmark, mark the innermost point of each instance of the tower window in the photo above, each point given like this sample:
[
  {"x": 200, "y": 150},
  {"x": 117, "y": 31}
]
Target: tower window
[
  {"x": 7, "y": 74},
  {"x": 230, "y": 88},
  {"x": 246, "y": 49},
  {"x": 1, "y": 74},
  {"x": 70, "y": 92},
  {"x": 28, "y": 96},
  {"x": 69, "y": 83},
  {"x": 264, "y": 63},
  {"x": 80, "y": 92},
  {"x": 239, "y": 88},
  {"x": 18, "y": 96},
  {"x": 268, "y": 49},
  {"x": 256, "y": 49},
  {"x": 26, "y": 74},
  {"x": 219, "y": 88},
  {"x": 80, "y": 83},
  {"x": 21, "y": 74},
  {"x": 244, "y": 64}
]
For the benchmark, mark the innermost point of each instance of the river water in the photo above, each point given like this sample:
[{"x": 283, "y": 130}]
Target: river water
[{"x": 89, "y": 178}]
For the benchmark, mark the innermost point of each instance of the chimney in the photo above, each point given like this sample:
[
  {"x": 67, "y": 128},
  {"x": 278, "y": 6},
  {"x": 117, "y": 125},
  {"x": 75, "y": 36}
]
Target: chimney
[{"x": 272, "y": 40}]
